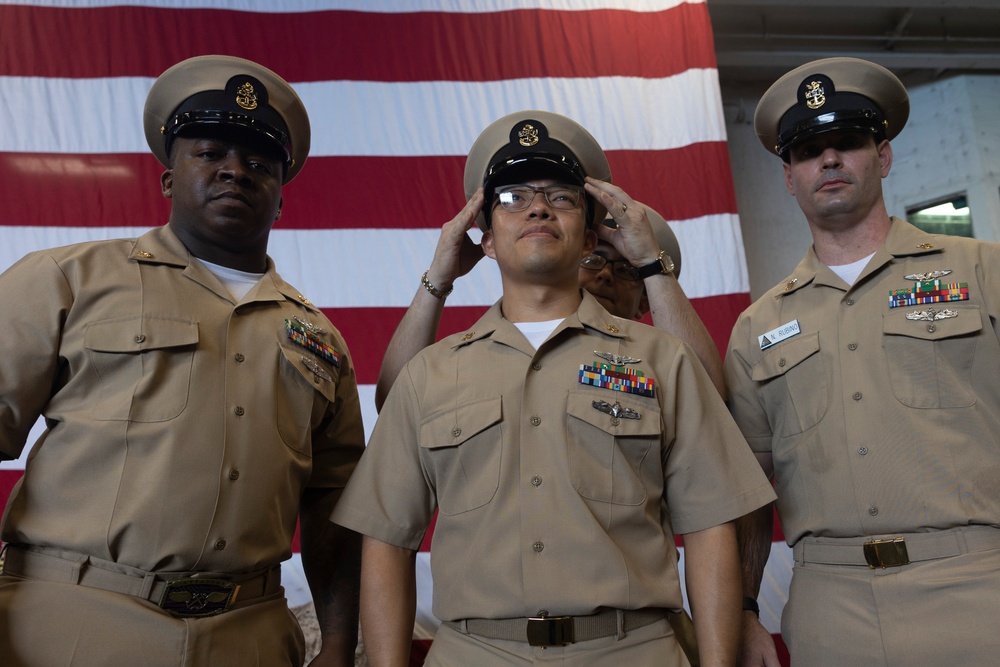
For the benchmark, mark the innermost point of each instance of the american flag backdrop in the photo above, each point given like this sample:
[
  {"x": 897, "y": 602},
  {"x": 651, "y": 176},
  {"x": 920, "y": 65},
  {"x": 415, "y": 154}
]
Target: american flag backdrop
[{"x": 397, "y": 91}]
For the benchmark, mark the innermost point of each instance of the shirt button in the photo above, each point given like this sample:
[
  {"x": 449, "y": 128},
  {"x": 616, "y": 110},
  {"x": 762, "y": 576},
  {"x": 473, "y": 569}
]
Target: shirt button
[
  {"x": 931, "y": 328},
  {"x": 220, "y": 545},
  {"x": 856, "y": 396},
  {"x": 538, "y": 546},
  {"x": 139, "y": 338},
  {"x": 862, "y": 450},
  {"x": 455, "y": 432},
  {"x": 234, "y": 474},
  {"x": 536, "y": 366},
  {"x": 536, "y": 420},
  {"x": 615, "y": 421},
  {"x": 850, "y": 302},
  {"x": 852, "y": 346},
  {"x": 536, "y": 481},
  {"x": 873, "y": 511},
  {"x": 240, "y": 358},
  {"x": 239, "y": 410},
  {"x": 781, "y": 363}
]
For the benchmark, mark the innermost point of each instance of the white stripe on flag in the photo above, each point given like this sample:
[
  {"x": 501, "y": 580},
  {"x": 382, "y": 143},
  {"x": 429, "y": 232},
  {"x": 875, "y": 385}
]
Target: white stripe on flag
[{"x": 368, "y": 114}]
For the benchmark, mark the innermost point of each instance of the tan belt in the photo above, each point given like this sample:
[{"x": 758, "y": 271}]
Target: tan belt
[
  {"x": 895, "y": 550},
  {"x": 560, "y": 630},
  {"x": 183, "y": 594}
]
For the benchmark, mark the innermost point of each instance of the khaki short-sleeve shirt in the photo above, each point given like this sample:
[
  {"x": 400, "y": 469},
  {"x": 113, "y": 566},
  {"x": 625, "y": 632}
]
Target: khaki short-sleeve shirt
[
  {"x": 182, "y": 427},
  {"x": 551, "y": 494},
  {"x": 879, "y": 418}
]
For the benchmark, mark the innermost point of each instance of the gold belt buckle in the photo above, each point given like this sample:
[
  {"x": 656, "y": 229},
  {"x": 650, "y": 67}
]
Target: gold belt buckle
[
  {"x": 187, "y": 598},
  {"x": 550, "y": 631},
  {"x": 886, "y": 553}
]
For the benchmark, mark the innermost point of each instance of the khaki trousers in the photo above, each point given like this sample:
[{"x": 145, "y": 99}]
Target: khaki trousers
[
  {"x": 653, "y": 644},
  {"x": 49, "y": 624},
  {"x": 927, "y": 614}
]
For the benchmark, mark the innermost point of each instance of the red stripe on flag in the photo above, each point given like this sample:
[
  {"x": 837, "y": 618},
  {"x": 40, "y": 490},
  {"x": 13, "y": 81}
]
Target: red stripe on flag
[
  {"x": 123, "y": 189},
  {"x": 358, "y": 46}
]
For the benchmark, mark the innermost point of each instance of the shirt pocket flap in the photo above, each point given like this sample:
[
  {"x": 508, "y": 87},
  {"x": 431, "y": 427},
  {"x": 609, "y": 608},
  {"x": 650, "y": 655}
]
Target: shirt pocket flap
[
  {"x": 967, "y": 322},
  {"x": 785, "y": 356},
  {"x": 135, "y": 334},
  {"x": 455, "y": 426},
  {"x": 587, "y": 407},
  {"x": 318, "y": 374}
]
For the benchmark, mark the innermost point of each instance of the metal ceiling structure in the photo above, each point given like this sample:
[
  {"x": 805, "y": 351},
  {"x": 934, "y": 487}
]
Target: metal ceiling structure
[{"x": 919, "y": 40}]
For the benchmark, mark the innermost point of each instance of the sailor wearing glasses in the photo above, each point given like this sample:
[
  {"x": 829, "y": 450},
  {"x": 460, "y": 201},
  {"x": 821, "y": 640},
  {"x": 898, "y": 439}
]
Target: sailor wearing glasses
[{"x": 562, "y": 446}]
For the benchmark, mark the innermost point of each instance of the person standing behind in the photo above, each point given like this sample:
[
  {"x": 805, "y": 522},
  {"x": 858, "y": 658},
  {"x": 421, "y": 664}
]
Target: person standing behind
[
  {"x": 866, "y": 384},
  {"x": 562, "y": 445},
  {"x": 195, "y": 405}
]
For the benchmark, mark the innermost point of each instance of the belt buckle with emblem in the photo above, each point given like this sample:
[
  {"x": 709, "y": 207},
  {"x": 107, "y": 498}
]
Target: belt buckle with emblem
[
  {"x": 886, "y": 553},
  {"x": 193, "y": 597}
]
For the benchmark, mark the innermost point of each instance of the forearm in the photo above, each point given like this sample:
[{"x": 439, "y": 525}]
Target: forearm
[
  {"x": 331, "y": 558},
  {"x": 389, "y": 601},
  {"x": 416, "y": 330},
  {"x": 713, "y": 582},
  {"x": 753, "y": 535},
  {"x": 672, "y": 312}
]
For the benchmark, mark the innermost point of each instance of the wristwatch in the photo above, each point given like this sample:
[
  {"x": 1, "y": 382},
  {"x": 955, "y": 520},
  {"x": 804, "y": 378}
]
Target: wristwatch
[{"x": 663, "y": 264}]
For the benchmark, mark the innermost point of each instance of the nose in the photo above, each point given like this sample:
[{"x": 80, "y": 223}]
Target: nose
[
  {"x": 606, "y": 273},
  {"x": 831, "y": 158},
  {"x": 235, "y": 168},
  {"x": 539, "y": 205}
]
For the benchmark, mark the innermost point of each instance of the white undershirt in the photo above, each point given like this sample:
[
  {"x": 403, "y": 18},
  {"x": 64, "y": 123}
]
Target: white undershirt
[
  {"x": 850, "y": 272},
  {"x": 239, "y": 283},
  {"x": 537, "y": 332}
]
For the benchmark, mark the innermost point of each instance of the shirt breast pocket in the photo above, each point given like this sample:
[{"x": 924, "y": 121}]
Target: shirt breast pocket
[
  {"x": 143, "y": 365},
  {"x": 612, "y": 459},
  {"x": 305, "y": 385},
  {"x": 930, "y": 362},
  {"x": 794, "y": 383},
  {"x": 462, "y": 450}
]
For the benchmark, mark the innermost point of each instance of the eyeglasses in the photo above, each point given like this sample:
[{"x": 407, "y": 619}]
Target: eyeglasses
[
  {"x": 519, "y": 197},
  {"x": 619, "y": 267}
]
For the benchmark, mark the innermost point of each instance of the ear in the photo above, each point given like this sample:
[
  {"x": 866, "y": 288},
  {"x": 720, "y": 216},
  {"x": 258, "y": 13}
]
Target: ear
[
  {"x": 589, "y": 242},
  {"x": 788, "y": 178},
  {"x": 167, "y": 183},
  {"x": 643, "y": 306},
  {"x": 884, "y": 157},
  {"x": 281, "y": 202},
  {"x": 487, "y": 243}
]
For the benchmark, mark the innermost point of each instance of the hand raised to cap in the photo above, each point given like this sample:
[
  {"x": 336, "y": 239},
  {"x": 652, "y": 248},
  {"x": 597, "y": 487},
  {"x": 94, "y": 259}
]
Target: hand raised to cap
[
  {"x": 633, "y": 237},
  {"x": 456, "y": 253}
]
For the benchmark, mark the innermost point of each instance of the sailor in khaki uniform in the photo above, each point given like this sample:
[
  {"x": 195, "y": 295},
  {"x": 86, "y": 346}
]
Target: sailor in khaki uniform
[
  {"x": 196, "y": 405},
  {"x": 867, "y": 382},
  {"x": 563, "y": 448}
]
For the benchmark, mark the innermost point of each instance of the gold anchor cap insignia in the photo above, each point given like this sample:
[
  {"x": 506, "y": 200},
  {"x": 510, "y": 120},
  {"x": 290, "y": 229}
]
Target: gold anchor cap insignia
[
  {"x": 246, "y": 97},
  {"x": 528, "y": 135},
  {"x": 815, "y": 95}
]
